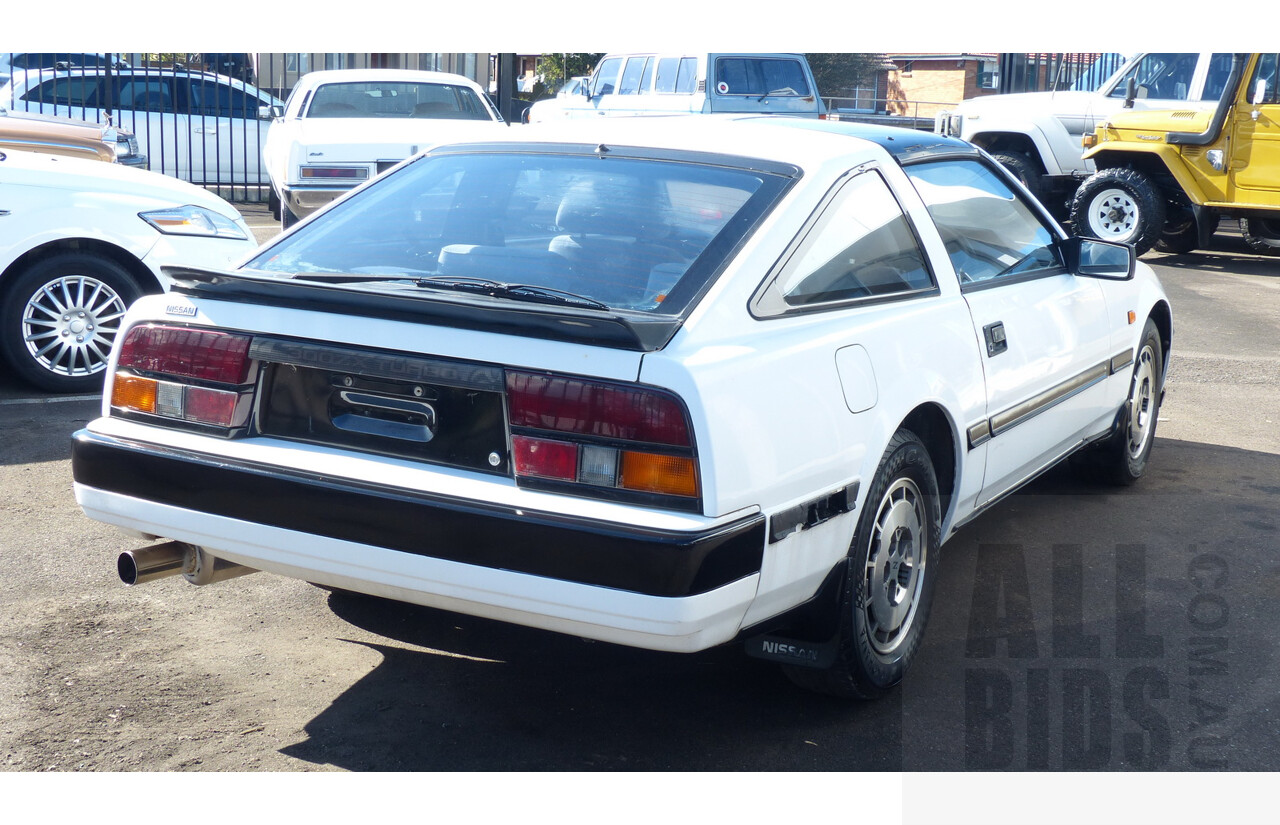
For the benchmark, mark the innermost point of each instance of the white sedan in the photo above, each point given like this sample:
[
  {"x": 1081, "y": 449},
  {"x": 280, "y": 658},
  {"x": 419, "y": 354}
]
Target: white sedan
[
  {"x": 667, "y": 383},
  {"x": 341, "y": 128},
  {"x": 80, "y": 241}
]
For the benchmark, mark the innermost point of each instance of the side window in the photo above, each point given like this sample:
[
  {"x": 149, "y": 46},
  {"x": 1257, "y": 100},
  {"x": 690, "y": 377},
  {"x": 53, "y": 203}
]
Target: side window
[
  {"x": 1216, "y": 80},
  {"x": 861, "y": 246},
  {"x": 646, "y": 82},
  {"x": 988, "y": 231},
  {"x": 1264, "y": 86},
  {"x": 145, "y": 94},
  {"x": 631, "y": 76},
  {"x": 606, "y": 79},
  {"x": 1163, "y": 75},
  {"x": 213, "y": 99},
  {"x": 668, "y": 68},
  {"x": 66, "y": 91},
  {"x": 687, "y": 79}
]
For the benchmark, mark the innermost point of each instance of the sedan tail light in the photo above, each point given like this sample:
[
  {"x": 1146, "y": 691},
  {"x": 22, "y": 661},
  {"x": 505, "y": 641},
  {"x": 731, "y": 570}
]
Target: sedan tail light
[
  {"x": 609, "y": 440},
  {"x": 184, "y": 374}
]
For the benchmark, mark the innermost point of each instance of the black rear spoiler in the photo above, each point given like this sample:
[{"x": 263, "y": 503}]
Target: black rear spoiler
[{"x": 605, "y": 328}]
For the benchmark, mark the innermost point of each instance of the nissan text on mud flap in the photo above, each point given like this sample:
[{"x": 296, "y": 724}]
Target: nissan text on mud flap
[{"x": 617, "y": 381}]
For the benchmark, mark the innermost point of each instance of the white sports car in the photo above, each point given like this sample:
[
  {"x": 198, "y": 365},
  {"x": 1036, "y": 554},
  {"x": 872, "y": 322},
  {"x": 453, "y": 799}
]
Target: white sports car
[
  {"x": 664, "y": 382},
  {"x": 79, "y": 241},
  {"x": 341, "y": 128}
]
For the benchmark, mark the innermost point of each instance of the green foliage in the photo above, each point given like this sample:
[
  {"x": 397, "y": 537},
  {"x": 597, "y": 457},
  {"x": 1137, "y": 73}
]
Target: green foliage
[
  {"x": 556, "y": 68},
  {"x": 837, "y": 73}
]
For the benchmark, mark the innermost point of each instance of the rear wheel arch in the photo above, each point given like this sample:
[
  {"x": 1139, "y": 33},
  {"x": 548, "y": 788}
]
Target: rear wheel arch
[
  {"x": 935, "y": 429},
  {"x": 1011, "y": 142}
]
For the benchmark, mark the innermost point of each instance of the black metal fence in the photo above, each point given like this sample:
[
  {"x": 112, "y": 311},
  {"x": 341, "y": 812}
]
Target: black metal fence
[
  {"x": 198, "y": 117},
  {"x": 1041, "y": 72}
]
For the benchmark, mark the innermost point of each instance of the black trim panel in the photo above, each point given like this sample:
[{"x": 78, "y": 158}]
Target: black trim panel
[{"x": 650, "y": 562}]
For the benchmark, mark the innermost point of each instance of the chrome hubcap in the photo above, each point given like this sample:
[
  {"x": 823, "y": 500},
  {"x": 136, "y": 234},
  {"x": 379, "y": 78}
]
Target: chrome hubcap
[
  {"x": 1113, "y": 214},
  {"x": 69, "y": 325},
  {"x": 1142, "y": 403},
  {"x": 895, "y": 566}
]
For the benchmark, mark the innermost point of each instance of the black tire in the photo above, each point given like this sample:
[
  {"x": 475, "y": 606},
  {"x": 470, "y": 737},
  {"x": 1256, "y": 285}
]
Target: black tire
[
  {"x": 1176, "y": 239},
  {"x": 60, "y": 317},
  {"x": 1119, "y": 204},
  {"x": 1123, "y": 457},
  {"x": 886, "y": 597},
  {"x": 287, "y": 218},
  {"x": 1262, "y": 234},
  {"x": 273, "y": 203},
  {"x": 1025, "y": 170}
]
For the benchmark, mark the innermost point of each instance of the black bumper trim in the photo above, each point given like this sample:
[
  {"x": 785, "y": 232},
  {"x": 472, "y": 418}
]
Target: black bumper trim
[{"x": 649, "y": 562}]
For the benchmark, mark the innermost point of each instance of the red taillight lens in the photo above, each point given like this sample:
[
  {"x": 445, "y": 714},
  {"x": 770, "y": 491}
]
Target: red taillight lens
[
  {"x": 167, "y": 355},
  {"x": 591, "y": 428},
  {"x": 570, "y": 405},
  {"x": 187, "y": 353}
]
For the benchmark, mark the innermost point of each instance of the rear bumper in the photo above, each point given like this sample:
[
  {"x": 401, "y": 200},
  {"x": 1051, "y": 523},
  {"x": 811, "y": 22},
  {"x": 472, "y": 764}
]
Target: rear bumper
[
  {"x": 303, "y": 200},
  {"x": 658, "y": 589}
]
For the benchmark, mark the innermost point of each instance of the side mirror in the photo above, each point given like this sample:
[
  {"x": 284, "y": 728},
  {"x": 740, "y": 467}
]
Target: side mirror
[
  {"x": 1259, "y": 92},
  {"x": 1094, "y": 258},
  {"x": 1130, "y": 92},
  {"x": 270, "y": 112}
]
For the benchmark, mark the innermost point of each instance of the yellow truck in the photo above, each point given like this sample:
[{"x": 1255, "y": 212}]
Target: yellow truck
[{"x": 1165, "y": 178}]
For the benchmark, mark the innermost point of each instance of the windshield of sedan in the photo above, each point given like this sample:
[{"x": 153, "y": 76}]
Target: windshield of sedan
[
  {"x": 380, "y": 99},
  {"x": 625, "y": 233}
]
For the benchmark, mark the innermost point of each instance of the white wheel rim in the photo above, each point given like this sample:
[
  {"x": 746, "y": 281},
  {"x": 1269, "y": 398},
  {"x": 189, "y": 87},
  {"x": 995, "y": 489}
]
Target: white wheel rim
[{"x": 1113, "y": 215}]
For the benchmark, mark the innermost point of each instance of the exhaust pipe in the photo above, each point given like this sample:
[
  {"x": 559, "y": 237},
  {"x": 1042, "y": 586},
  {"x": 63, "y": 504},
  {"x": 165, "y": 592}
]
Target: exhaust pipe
[{"x": 173, "y": 557}]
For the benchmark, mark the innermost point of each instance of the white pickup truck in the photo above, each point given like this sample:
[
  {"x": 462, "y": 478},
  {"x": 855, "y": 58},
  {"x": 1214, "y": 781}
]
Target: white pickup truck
[{"x": 1037, "y": 135}]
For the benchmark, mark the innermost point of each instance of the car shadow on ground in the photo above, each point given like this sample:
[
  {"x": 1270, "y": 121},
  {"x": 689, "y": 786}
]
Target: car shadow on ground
[
  {"x": 459, "y": 693},
  {"x": 1227, "y": 255}
]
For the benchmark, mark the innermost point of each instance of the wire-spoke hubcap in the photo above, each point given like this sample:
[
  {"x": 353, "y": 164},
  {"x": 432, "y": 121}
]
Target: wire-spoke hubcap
[
  {"x": 1113, "y": 214},
  {"x": 895, "y": 565},
  {"x": 70, "y": 323},
  {"x": 1142, "y": 403}
]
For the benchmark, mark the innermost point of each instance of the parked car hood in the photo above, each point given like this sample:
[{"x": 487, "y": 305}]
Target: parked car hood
[
  {"x": 1027, "y": 102},
  {"x": 361, "y": 139},
  {"x": 50, "y": 171}
]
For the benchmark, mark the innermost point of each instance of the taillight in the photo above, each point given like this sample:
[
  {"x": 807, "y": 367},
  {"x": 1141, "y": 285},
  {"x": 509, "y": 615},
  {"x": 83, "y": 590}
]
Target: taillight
[
  {"x": 600, "y": 436},
  {"x": 184, "y": 374},
  {"x": 334, "y": 173}
]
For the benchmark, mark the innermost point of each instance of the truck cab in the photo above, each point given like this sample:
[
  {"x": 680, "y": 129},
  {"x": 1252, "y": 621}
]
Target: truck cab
[{"x": 1165, "y": 178}]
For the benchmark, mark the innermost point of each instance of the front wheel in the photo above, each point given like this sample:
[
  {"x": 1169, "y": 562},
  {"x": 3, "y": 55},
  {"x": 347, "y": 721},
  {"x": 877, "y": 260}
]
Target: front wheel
[
  {"x": 1123, "y": 457},
  {"x": 60, "y": 317},
  {"x": 1119, "y": 204},
  {"x": 1261, "y": 234},
  {"x": 889, "y": 587}
]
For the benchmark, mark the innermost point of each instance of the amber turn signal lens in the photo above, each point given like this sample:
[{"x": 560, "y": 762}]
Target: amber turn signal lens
[
  {"x": 130, "y": 392},
  {"x": 651, "y": 473}
]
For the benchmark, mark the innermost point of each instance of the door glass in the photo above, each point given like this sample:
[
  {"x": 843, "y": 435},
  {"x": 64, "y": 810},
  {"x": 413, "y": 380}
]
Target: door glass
[
  {"x": 1163, "y": 75},
  {"x": 988, "y": 231}
]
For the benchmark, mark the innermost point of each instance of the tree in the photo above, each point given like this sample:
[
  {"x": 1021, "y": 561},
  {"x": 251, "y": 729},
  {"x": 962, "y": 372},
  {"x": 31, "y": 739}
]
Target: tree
[
  {"x": 557, "y": 68},
  {"x": 839, "y": 73}
]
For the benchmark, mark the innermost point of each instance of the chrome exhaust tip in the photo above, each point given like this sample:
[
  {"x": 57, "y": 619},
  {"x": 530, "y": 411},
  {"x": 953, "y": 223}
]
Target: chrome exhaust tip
[{"x": 173, "y": 557}]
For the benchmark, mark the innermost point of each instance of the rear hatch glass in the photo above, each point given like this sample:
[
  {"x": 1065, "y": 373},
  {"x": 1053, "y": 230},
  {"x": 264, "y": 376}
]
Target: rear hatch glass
[{"x": 594, "y": 229}]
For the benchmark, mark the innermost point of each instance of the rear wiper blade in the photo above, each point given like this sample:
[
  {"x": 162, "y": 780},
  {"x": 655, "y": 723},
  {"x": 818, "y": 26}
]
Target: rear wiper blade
[
  {"x": 481, "y": 286},
  {"x": 550, "y": 295},
  {"x": 522, "y": 292}
]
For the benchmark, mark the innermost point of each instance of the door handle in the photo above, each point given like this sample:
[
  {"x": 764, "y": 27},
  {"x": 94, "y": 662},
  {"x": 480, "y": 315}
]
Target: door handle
[{"x": 997, "y": 342}]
